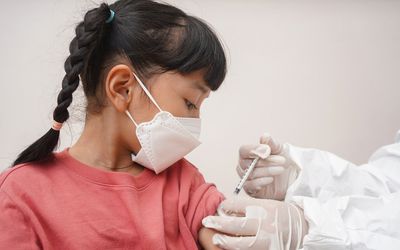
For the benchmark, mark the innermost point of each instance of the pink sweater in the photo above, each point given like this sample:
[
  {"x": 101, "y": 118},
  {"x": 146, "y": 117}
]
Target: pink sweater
[{"x": 65, "y": 204}]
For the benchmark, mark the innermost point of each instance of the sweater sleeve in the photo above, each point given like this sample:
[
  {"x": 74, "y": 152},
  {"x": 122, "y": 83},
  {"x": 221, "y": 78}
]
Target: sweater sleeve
[
  {"x": 204, "y": 199},
  {"x": 15, "y": 231}
]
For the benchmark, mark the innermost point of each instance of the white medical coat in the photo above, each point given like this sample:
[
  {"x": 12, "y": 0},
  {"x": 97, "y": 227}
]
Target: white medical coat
[{"x": 348, "y": 206}]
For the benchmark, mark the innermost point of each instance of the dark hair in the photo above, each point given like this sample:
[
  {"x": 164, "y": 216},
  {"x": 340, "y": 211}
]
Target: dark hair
[{"x": 155, "y": 37}]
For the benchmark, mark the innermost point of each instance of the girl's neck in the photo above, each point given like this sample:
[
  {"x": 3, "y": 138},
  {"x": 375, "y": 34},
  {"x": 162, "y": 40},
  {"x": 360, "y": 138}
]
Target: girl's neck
[{"x": 98, "y": 146}]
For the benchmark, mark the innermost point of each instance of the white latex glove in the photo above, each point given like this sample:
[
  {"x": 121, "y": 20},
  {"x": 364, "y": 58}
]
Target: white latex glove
[
  {"x": 257, "y": 224},
  {"x": 274, "y": 172}
]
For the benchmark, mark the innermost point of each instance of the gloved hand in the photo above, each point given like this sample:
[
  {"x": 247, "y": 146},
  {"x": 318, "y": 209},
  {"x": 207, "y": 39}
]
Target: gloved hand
[
  {"x": 257, "y": 224},
  {"x": 273, "y": 173}
]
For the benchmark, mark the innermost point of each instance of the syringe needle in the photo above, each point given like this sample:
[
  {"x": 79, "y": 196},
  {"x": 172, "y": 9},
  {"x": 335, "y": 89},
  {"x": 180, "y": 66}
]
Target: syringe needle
[{"x": 246, "y": 176}]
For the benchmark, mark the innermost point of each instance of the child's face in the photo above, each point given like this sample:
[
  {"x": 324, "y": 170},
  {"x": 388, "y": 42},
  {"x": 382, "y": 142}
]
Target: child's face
[{"x": 181, "y": 95}]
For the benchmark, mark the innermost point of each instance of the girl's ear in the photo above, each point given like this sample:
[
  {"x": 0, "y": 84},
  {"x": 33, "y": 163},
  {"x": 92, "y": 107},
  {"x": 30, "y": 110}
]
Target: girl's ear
[{"x": 119, "y": 86}]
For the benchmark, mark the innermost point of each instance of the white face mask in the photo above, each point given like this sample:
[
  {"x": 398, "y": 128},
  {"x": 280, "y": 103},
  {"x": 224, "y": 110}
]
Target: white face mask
[{"x": 165, "y": 139}]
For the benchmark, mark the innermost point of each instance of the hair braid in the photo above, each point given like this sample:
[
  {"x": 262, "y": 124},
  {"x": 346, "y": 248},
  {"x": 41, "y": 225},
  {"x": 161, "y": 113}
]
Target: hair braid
[{"x": 88, "y": 35}]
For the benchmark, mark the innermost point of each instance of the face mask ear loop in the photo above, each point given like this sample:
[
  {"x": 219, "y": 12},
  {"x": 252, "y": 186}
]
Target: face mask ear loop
[
  {"x": 130, "y": 117},
  {"x": 147, "y": 91}
]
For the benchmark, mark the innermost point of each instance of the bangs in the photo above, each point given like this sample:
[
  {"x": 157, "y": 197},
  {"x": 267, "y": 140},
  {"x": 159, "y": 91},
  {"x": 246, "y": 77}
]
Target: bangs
[{"x": 198, "y": 48}]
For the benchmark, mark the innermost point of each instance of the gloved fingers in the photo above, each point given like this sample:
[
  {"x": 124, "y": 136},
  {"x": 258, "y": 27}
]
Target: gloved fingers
[
  {"x": 242, "y": 242},
  {"x": 232, "y": 225},
  {"x": 237, "y": 205},
  {"x": 276, "y": 147},
  {"x": 244, "y": 164},
  {"x": 272, "y": 160},
  {"x": 261, "y": 172},
  {"x": 233, "y": 205},
  {"x": 254, "y": 151},
  {"x": 255, "y": 185},
  {"x": 266, "y": 172}
]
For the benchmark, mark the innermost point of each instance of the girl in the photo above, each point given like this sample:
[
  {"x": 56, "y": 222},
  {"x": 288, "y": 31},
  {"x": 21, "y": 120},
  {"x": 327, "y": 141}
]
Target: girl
[{"x": 146, "y": 68}]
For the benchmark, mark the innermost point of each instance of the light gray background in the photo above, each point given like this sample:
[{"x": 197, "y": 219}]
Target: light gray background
[{"x": 319, "y": 73}]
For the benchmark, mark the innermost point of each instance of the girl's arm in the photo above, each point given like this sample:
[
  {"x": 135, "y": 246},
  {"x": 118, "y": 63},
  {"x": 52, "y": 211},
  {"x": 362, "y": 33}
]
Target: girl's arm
[
  {"x": 15, "y": 230},
  {"x": 205, "y": 239}
]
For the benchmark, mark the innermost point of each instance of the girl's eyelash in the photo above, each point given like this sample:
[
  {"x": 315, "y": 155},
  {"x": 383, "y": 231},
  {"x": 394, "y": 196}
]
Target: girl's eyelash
[{"x": 190, "y": 105}]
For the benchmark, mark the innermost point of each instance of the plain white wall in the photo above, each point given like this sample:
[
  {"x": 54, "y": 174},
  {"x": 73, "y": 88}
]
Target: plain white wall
[{"x": 316, "y": 73}]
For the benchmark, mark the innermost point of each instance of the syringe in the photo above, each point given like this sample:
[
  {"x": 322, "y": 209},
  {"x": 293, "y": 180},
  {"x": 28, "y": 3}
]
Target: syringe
[{"x": 246, "y": 176}]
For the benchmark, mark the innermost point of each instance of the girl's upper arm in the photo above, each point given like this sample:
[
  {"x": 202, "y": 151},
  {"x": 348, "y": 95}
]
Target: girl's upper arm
[{"x": 15, "y": 231}]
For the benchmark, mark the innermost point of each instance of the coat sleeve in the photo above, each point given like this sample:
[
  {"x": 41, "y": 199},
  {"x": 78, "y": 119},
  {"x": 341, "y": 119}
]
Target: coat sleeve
[
  {"x": 15, "y": 230},
  {"x": 348, "y": 206}
]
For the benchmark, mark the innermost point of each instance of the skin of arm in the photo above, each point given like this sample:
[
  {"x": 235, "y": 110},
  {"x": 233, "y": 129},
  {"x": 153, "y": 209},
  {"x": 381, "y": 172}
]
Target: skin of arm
[{"x": 205, "y": 239}]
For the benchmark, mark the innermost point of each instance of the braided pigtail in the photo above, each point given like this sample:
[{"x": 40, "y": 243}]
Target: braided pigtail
[{"x": 89, "y": 33}]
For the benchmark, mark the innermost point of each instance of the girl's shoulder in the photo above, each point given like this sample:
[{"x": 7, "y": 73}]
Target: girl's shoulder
[
  {"x": 185, "y": 169},
  {"x": 23, "y": 176},
  {"x": 187, "y": 175}
]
